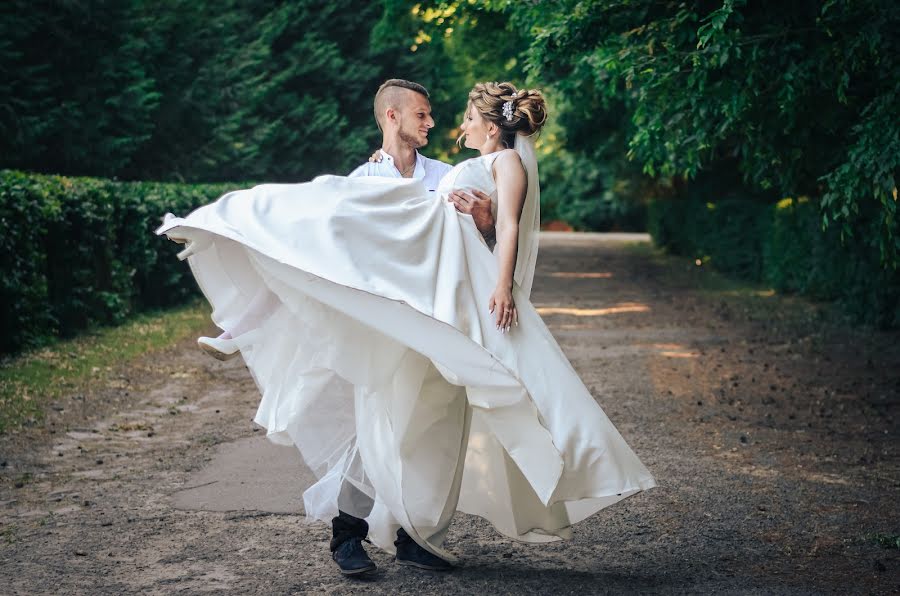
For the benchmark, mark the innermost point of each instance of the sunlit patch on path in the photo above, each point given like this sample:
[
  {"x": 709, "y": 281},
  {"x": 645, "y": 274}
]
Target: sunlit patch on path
[
  {"x": 593, "y": 312},
  {"x": 582, "y": 275},
  {"x": 672, "y": 350}
]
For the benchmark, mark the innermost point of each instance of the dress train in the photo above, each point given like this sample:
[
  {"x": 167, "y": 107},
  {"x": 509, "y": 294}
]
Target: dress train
[{"x": 381, "y": 362}]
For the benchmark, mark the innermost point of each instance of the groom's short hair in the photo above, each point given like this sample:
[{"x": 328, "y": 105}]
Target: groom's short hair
[{"x": 387, "y": 95}]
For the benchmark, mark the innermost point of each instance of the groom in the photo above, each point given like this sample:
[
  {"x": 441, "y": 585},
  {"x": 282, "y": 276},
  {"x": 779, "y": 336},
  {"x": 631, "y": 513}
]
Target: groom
[{"x": 403, "y": 113}]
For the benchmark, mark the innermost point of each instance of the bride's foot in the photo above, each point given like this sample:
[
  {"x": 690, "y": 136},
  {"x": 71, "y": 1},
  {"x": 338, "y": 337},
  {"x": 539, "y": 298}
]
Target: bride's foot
[{"x": 221, "y": 348}]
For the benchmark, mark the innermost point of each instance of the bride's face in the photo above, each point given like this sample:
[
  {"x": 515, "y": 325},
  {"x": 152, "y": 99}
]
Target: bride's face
[{"x": 475, "y": 127}]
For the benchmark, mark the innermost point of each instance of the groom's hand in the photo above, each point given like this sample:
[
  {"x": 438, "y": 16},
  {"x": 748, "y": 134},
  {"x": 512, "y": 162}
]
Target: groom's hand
[{"x": 478, "y": 205}]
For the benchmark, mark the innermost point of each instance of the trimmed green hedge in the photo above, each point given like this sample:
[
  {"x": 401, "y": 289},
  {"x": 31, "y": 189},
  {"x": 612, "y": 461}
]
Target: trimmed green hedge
[
  {"x": 784, "y": 245},
  {"x": 75, "y": 252}
]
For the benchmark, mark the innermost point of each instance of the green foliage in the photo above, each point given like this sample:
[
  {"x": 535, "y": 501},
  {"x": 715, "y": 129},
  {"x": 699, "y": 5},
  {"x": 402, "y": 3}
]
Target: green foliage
[
  {"x": 234, "y": 90},
  {"x": 805, "y": 258},
  {"x": 784, "y": 245},
  {"x": 450, "y": 47},
  {"x": 81, "y": 252},
  {"x": 867, "y": 179},
  {"x": 300, "y": 78},
  {"x": 716, "y": 99},
  {"x": 802, "y": 100},
  {"x": 460, "y": 43},
  {"x": 76, "y": 93},
  {"x": 885, "y": 540},
  {"x": 190, "y": 90},
  {"x": 587, "y": 195},
  {"x": 728, "y": 234},
  {"x": 802, "y": 257},
  {"x": 25, "y": 214}
]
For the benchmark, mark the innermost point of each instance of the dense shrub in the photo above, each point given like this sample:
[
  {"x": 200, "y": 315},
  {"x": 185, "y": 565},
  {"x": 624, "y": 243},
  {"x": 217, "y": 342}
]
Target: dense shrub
[
  {"x": 81, "y": 251},
  {"x": 728, "y": 234},
  {"x": 784, "y": 245},
  {"x": 802, "y": 257}
]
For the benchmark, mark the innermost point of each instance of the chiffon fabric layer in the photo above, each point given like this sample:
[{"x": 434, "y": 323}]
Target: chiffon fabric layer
[{"x": 378, "y": 359}]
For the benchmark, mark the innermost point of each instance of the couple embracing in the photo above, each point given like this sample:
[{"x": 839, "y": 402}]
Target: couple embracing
[{"x": 385, "y": 317}]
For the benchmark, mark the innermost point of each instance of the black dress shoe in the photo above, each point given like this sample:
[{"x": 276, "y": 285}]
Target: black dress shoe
[
  {"x": 352, "y": 558},
  {"x": 409, "y": 553}
]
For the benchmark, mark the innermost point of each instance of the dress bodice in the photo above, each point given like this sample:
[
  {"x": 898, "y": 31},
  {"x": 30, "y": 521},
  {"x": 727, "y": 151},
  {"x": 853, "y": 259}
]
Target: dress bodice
[
  {"x": 477, "y": 174},
  {"x": 473, "y": 173}
]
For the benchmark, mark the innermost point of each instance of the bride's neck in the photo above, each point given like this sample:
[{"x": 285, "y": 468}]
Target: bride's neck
[{"x": 490, "y": 147}]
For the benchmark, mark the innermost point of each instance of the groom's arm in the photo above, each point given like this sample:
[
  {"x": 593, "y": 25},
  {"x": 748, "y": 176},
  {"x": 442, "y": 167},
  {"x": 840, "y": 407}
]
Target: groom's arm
[{"x": 478, "y": 205}]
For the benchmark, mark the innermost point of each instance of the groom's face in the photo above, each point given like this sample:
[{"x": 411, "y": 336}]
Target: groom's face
[{"x": 414, "y": 118}]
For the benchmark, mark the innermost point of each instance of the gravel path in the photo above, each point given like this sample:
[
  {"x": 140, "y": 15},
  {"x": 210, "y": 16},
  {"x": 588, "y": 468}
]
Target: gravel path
[{"x": 771, "y": 429}]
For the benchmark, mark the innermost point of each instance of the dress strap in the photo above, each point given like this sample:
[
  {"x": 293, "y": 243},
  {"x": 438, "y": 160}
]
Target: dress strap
[{"x": 490, "y": 158}]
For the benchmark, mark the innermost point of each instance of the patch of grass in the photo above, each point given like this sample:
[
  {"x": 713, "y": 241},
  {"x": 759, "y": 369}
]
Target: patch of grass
[
  {"x": 640, "y": 248},
  {"x": 209, "y": 440},
  {"x": 30, "y": 381},
  {"x": 129, "y": 426},
  {"x": 885, "y": 540},
  {"x": 47, "y": 520},
  {"x": 23, "y": 479}
]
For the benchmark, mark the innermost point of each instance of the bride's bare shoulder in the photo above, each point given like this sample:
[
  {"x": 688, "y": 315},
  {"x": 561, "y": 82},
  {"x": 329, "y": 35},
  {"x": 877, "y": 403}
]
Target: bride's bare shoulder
[{"x": 508, "y": 162}]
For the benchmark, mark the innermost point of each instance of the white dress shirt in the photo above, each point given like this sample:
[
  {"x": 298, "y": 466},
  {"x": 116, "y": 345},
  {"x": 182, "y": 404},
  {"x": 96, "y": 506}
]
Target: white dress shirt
[{"x": 430, "y": 171}]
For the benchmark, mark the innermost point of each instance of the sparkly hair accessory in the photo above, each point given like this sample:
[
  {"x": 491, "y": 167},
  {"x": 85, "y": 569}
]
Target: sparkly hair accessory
[{"x": 508, "y": 110}]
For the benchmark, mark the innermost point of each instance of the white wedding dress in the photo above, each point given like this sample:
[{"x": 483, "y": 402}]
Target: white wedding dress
[{"x": 379, "y": 359}]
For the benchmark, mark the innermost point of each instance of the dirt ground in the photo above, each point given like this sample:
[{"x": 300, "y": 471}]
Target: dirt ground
[{"x": 771, "y": 428}]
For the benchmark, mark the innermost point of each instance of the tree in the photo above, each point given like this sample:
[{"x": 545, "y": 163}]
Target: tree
[
  {"x": 802, "y": 100},
  {"x": 76, "y": 96},
  {"x": 195, "y": 91}
]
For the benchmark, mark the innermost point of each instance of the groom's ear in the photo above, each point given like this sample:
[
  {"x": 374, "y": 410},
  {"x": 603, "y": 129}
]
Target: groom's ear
[{"x": 391, "y": 115}]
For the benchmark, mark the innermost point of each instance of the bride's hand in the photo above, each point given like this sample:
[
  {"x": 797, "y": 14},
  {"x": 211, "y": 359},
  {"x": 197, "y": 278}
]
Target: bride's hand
[
  {"x": 376, "y": 157},
  {"x": 502, "y": 302}
]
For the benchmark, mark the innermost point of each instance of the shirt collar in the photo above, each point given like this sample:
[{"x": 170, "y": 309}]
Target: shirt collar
[{"x": 418, "y": 171}]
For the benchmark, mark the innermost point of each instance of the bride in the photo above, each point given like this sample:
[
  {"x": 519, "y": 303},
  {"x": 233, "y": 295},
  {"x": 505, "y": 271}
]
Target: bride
[{"x": 402, "y": 357}]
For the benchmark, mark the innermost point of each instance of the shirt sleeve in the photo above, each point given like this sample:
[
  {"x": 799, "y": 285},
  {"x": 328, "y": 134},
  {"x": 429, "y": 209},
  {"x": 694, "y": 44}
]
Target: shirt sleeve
[{"x": 445, "y": 167}]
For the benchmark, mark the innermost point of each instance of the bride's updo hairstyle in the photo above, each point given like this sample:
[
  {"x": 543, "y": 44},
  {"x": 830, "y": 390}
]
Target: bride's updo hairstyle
[{"x": 525, "y": 115}]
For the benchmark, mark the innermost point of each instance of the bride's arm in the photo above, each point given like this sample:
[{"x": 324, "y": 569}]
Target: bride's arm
[{"x": 511, "y": 188}]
